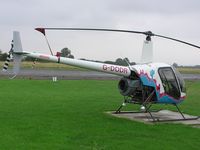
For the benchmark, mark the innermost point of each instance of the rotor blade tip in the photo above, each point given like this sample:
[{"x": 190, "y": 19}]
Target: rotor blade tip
[{"x": 42, "y": 30}]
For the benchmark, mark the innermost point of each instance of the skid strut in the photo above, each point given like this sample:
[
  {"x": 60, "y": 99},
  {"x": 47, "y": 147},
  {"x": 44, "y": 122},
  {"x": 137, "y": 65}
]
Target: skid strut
[{"x": 147, "y": 106}]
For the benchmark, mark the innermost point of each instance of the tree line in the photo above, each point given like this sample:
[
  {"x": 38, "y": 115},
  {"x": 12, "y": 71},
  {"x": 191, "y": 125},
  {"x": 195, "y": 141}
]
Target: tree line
[{"x": 118, "y": 61}]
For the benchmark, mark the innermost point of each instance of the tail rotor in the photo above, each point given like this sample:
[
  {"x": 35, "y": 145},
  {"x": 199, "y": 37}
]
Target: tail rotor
[
  {"x": 15, "y": 53},
  {"x": 6, "y": 64}
]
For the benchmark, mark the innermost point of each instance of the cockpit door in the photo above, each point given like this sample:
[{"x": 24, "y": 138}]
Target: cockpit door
[{"x": 169, "y": 82}]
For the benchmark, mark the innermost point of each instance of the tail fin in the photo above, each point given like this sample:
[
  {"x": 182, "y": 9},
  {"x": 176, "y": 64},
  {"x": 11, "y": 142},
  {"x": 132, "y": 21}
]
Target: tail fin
[{"x": 17, "y": 52}]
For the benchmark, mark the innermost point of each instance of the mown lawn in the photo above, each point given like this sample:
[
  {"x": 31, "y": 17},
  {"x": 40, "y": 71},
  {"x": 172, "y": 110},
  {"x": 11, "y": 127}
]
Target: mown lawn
[{"x": 39, "y": 114}]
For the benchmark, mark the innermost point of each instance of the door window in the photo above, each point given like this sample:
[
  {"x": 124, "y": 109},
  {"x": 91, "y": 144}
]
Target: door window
[{"x": 169, "y": 82}]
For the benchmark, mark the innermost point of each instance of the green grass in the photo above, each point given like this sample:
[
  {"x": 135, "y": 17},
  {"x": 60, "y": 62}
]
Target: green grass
[
  {"x": 39, "y": 114},
  {"x": 189, "y": 70}
]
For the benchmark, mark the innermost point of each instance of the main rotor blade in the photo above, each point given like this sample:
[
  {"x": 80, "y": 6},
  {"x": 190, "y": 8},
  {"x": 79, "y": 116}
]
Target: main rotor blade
[
  {"x": 94, "y": 29},
  {"x": 147, "y": 33},
  {"x": 173, "y": 39}
]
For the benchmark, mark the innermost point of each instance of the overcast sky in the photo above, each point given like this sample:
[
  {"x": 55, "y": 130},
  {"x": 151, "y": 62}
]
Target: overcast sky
[{"x": 175, "y": 18}]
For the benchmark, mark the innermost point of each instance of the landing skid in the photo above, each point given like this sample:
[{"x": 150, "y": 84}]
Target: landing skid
[
  {"x": 181, "y": 119},
  {"x": 147, "y": 109}
]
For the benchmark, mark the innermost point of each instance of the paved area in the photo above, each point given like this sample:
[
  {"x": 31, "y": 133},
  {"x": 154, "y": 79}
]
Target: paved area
[
  {"x": 67, "y": 74},
  {"x": 160, "y": 115},
  {"x": 60, "y": 74}
]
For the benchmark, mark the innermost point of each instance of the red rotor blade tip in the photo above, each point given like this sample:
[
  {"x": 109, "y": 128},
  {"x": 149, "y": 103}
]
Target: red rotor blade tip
[{"x": 42, "y": 30}]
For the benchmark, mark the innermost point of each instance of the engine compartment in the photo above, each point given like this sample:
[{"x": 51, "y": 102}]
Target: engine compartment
[{"x": 133, "y": 88}]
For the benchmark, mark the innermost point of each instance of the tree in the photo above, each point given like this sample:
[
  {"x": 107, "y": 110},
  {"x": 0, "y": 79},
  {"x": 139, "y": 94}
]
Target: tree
[
  {"x": 65, "y": 52},
  {"x": 175, "y": 65},
  {"x": 126, "y": 60},
  {"x": 119, "y": 61},
  {"x": 109, "y": 62},
  {"x": 123, "y": 62},
  {"x": 71, "y": 56},
  {"x": 3, "y": 56}
]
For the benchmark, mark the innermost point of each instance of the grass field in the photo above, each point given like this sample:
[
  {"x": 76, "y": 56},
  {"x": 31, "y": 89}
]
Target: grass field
[
  {"x": 39, "y": 114},
  {"x": 189, "y": 70}
]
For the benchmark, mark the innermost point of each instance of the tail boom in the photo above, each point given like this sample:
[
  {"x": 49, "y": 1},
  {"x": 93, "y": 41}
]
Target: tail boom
[{"x": 103, "y": 67}]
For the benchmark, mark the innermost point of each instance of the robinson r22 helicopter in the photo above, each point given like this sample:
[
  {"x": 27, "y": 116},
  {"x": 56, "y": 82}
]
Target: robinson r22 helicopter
[{"x": 144, "y": 84}]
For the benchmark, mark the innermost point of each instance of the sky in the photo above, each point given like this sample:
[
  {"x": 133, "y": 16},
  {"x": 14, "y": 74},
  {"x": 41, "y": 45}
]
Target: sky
[{"x": 173, "y": 18}]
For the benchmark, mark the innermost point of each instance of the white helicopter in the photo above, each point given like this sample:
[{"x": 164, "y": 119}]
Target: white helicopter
[{"x": 144, "y": 84}]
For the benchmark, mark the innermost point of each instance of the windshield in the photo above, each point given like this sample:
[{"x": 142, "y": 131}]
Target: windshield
[{"x": 181, "y": 81}]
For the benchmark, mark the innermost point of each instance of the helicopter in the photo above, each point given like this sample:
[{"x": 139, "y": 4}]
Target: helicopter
[{"x": 144, "y": 84}]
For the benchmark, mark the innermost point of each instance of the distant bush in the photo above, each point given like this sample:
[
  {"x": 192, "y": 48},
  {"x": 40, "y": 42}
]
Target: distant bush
[{"x": 3, "y": 56}]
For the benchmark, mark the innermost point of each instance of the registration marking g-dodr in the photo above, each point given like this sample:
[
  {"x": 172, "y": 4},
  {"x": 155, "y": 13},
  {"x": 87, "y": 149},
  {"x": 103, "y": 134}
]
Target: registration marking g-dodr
[{"x": 114, "y": 68}]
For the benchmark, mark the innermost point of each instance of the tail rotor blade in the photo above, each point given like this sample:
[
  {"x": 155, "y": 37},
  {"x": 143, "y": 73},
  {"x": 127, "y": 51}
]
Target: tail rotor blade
[{"x": 6, "y": 64}]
